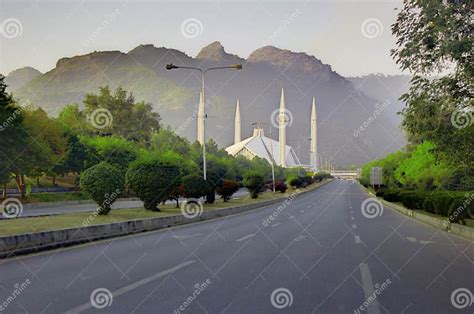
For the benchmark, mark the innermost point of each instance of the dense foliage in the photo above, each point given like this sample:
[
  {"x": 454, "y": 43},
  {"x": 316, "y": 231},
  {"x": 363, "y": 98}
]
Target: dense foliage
[{"x": 103, "y": 183}]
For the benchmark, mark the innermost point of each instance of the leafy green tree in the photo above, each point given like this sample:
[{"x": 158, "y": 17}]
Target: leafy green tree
[
  {"x": 13, "y": 137},
  {"x": 114, "y": 150},
  {"x": 125, "y": 117},
  {"x": 154, "y": 177},
  {"x": 73, "y": 119},
  {"x": 165, "y": 140},
  {"x": 435, "y": 40},
  {"x": 253, "y": 181},
  {"x": 194, "y": 186},
  {"x": 103, "y": 183}
]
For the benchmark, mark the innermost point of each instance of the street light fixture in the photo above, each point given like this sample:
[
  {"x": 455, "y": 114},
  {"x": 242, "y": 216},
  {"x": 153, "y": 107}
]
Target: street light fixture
[{"x": 171, "y": 66}]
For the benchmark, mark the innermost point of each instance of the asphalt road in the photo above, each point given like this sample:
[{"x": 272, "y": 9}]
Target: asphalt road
[
  {"x": 320, "y": 254},
  {"x": 57, "y": 208}
]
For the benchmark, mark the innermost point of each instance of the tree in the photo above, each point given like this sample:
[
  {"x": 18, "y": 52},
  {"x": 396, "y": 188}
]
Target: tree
[
  {"x": 154, "y": 177},
  {"x": 118, "y": 114},
  {"x": 114, "y": 150},
  {"x": 435, "y": 40},
  {"x": 13, "y": 137},
  {"x": 194, "y": 186},
  {"x": 228, "y": 188},
  {"x": 103, "y": 183},
  {"x": 253, "y": 181}
]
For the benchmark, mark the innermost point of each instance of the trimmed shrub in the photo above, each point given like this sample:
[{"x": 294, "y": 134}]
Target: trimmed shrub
[
  {"x": 228, "y": 188},
  {"x": 103, "y": 183},
  {"x": 412, "y": 199},
  {"x": 428, "y": 204},
  {"x": 442, "y": 203},
  {"x": 320, "y": 176},
  {"x": 461, "y": 209},
  {"x": 194, "y": 186},
  {"x": 281, "y": 186},
  {"x": 380, "y": 192},
  {"x": 153, "y": 179},
  {"x": 297, "y": 182},
  {"x": 308, "y": 179},
  {"x": 391, "y": 195},
  {"x": 253, "y": 181}
]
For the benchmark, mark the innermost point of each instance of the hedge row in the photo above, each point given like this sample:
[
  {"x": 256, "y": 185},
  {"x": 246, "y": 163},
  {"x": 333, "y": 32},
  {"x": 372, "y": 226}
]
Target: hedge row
[{"x": 456, "y": 205}]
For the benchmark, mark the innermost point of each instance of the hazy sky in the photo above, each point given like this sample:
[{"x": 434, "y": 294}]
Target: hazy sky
[{"x": 44, "y": 31}]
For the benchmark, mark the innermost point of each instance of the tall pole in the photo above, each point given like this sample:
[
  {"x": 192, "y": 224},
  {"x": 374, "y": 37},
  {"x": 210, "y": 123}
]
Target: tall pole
[
  {"x": 203, "y": 88},
  {"x": 273, "y": 166}
]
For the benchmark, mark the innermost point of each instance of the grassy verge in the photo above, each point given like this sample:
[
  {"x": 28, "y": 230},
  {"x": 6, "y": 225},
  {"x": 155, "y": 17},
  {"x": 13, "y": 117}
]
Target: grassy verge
[{"x": 74, "y": 220}]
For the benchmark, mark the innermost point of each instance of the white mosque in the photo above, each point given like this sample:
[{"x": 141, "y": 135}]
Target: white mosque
[{"x": 277, "y": 153}]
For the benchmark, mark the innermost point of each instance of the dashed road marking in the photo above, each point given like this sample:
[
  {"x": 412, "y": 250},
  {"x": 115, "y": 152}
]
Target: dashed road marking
[
  {"x": 246, "y": 237},
  {"x": 357, "y": 239},
  {"x": 368, "y": 286},
  {"x": 276, "y": 224}
]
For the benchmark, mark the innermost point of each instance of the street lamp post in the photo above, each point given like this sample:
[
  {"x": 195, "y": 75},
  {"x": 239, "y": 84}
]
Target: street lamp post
[{"x": 171, "y": 66}]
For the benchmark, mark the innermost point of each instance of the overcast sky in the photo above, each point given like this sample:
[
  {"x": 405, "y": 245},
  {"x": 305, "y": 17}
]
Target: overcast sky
[{"x": 352, "y": 36}]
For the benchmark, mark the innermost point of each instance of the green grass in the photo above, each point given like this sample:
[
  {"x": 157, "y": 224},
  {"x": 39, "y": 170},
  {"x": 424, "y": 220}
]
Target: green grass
[
  {"x": 56, "y": 197},
  {"x": 74, "y": 220}
]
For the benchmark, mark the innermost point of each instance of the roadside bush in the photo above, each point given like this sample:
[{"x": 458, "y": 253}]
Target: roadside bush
[
  {"x": 461, "y": 209},
  {"x": 320, "y": 176},
  {"x": 364, "y": 182},
  {"x": 428, "y": 204},
  {"x": 442, "y": 203},
  {"x": 412, "y": 199},
  {"x": 297, "y": 182},
  {"x": 153, "y": 178},
  {"x": 253, "y": 181},
  {"x": 391, "y": 195},
  {"x": 308, "y": 179},
  {"x": 281, "y": 186},
  {"x": 193, "y": 186},
  {"x": 228, "y": 188},
  {"x": 103, "y": 183},
  {"x": 380, "y": 192}
]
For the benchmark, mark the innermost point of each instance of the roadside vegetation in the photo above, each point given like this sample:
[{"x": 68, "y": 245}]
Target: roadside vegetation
[{"x": 435, "y": 171}]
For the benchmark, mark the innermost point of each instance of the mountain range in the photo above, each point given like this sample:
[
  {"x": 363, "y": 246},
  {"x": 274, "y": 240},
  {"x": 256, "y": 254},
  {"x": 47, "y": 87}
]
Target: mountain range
[{"x": 344, "y": 105}]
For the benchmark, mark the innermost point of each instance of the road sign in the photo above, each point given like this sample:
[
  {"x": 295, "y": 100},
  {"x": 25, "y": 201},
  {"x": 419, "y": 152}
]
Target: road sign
[{"x": 376, "y": 176}]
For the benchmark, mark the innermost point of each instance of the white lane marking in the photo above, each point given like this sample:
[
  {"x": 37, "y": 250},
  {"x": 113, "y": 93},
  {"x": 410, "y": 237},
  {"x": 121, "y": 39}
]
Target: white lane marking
[
  {"x": 357, "y": 239},
  {"x": 184, "y": 237},
  {"x": 132, "y": 286},
  {"x": 368, "y": 287},
  {"x": 352, "y": 218},
  {"x": 414, "y": 240},
  {"x": 276, "y": 224},
  {"x": 246, "y": 237},
  {"x": 299, "y": 238},
  {"x": 354, "y": 227},
  {"x": 291, "y": 217},
  {"x": 309, "y": 206},
  {"x": 302, "y": 211}
]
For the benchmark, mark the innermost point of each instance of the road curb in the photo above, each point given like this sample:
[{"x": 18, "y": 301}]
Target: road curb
[
  {"x": 65, "y": 203},
  {"x": 34, "y": 242},
  {"x": 438, "y": 223}
]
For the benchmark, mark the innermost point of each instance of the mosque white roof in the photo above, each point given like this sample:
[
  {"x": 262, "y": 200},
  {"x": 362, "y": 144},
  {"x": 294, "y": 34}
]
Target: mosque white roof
[{"x": 261, "y": 146}]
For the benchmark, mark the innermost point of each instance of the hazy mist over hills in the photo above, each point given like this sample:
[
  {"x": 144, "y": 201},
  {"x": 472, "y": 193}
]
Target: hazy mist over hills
[{"x": 343, "y": 105}]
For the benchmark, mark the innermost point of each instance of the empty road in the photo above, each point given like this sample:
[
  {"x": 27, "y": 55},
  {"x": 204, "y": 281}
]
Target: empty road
[{"x": 320, "y": 253}]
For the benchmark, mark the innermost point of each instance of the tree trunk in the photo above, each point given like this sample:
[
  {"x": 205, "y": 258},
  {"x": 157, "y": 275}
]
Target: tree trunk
[
  {"x": 37, "y": 181},
  {"x": 4, "y": 193},
  {"x": 23, "y": 186},
  {"x": 54, "y": 180}
]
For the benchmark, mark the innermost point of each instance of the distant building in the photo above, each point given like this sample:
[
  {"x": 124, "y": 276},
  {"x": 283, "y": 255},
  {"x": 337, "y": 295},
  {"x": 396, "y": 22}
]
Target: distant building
[{"x": 276, "y": 152}]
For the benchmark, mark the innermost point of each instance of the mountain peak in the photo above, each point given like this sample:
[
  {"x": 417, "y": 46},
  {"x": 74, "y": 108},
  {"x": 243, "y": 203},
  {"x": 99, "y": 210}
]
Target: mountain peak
[{"x": 216, "y": 52}]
